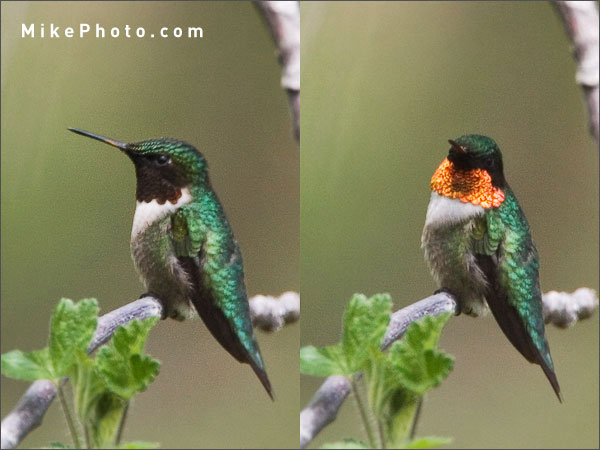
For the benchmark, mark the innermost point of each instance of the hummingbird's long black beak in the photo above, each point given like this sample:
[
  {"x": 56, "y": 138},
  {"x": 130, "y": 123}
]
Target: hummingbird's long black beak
[
  {"x": 461, "y": 150},
  {"x": 121, "y": 145}
]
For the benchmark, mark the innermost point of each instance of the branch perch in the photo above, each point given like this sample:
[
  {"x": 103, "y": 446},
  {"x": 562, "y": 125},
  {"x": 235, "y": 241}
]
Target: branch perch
[
  {"x": 283, "y": 20},
  {"x": 581, "y": 24},
  {"x": 271, "y": 313},
  {"x": 267, "y": 313},
  {"x": 561, "y": 309}
]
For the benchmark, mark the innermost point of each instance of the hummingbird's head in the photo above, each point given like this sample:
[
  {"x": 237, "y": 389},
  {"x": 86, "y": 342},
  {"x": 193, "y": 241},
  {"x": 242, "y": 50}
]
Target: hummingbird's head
[
  {"x": 472, "y": 172},
  {"x": 474, "y": 151},
  {"x": 163, "y": 166}
]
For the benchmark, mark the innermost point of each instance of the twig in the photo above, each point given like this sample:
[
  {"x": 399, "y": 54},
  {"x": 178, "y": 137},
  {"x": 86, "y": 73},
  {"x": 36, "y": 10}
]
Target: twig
[
  {"x": 324, "y": 406},
  {"x": 122, "y": 424},
  {"x": 364, "y": 414},
  {"x": 271, "y": 313},
  {"x": 564, "y": 310},
  {"x": 381, "y": 431},
  {"x": 581, "y": 24},
  {"x": 413, "y": 427},
  {"x": 30, "y": 410},
  {"x": 86, "y": 435},
  {"x": 107, "y": 324},
  {"x": 283, "y": 20},
  {"x": 431, "y": 306},
  {"x": 68, "y": 416},
  {"x": 28, "y": 413}
]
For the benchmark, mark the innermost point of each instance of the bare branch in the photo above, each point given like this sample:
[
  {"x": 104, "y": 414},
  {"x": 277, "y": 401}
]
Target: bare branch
[
  {"x": 28, "y": 413},
  {"x": 283, "y": 20},
  {"x": 267, "y": 313},
  {"x": 270, "y": 313},
  {"x": 107, "y": 324},
  {"x": 435, "y": 305},
  {"x": 559, "y": 309},
  {"x": 581, "y": 24},
  {"x": 323, "y": 407},
  {"x": 564, "y": 310}
]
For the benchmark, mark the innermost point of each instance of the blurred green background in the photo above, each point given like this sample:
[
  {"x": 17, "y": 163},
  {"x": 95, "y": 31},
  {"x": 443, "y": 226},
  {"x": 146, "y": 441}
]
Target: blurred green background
[
  {"x": 384, "y": 85},
  {"x": 68, "y": 202}
]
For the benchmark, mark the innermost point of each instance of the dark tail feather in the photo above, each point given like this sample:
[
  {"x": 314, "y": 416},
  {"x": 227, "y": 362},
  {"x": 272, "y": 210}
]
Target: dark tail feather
[
  {"x": 215, "y": 321},
  {"x": 262, "y": 376},
  {"x": 217, "y": 324},
  {"x": 512, "y": 326},
  {"x": 219, "y": 327},
  {"x": 552, "y": 379},
  {"x": 510, "y": 323}
]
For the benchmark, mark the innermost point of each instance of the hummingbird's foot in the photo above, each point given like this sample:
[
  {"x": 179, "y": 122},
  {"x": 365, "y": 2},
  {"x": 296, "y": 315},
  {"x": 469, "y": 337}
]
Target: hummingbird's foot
[
  {"x": 177, "y": 315},
  {"x": 166, "y": 312},
  {"x": 171, "y": 310},
  {"x": 149, "y": 294},
  {"x": 449, "y": 292},
  {"x": 444, "y": 291}
]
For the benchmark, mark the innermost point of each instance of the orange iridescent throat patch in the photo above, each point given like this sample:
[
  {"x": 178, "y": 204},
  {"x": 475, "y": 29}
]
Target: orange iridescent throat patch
[{"x": 473, "y": 186}]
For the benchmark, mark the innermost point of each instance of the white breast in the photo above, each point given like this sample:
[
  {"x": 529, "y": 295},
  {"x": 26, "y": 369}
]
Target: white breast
[
  {"x": 149, "y": 212},
  {"x": 445, "y": 210}
]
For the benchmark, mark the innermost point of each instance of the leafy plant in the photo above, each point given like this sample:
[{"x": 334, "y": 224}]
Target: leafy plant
[
  {"x": 104, "y": 386},
  {"x": 395, "y": 381}
]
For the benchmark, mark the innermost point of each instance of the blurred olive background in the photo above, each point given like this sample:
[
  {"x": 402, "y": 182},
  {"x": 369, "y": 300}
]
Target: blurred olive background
[
  {"x": 68, "y": 201},
  {"x": 384, "y": 85}
]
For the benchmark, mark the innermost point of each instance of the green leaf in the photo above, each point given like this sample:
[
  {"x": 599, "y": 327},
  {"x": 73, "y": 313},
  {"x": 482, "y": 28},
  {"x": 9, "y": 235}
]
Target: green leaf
[
  {"x": 139, "y": 444},
  {"x": 365, "y": 322},
  {"x": 421, "y": 367},
  {"x": 103, "y": 387},
  {"x": 382, "y": 381},
  {"x": 424, "y": 333},
  {"x": 400, "y": 413},
  {"x": 105, "y": 418},
  {"x": 120, "y": 363},
  {"x": 27, "y": 366},
  {"x": 347, "y": 443},
  {"x": 427, "y": 442},
  {"x": 88, "y": 386},
  {"x": 322, "y": 362},
  {"x": 71, "y": 330},
  {"x": 98, "y": 409}
]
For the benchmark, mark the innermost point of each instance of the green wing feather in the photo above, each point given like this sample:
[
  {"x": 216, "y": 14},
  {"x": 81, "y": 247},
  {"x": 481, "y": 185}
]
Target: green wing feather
[
  {"x": 507, "y": 256},
  {"x": 186, "y": 243},
  {"x": 207, "y": 252}
]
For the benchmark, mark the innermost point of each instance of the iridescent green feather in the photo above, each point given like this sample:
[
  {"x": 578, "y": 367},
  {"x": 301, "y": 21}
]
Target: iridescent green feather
[
  {"x": 505, "y": 233},
  {"x": 200, "y": 228},
  {"x": 519, "y": 272}
]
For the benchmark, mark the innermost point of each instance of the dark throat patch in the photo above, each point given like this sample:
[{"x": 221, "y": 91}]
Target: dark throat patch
[{"x": 163, "y": 184}]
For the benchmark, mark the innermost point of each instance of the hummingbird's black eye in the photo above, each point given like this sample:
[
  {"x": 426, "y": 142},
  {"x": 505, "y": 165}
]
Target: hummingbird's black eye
[{"x": 163, "y": 160}]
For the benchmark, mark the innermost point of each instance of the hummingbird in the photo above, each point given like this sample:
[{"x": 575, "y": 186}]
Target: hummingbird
[
  {"x": 183, "y": 247},
  {"x": 478, "y": 245}
]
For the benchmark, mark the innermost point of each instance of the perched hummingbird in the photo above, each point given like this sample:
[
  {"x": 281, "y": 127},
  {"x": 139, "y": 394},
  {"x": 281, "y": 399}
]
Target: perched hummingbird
[
  {"x": 478, "y": 246},
  {"x": 183, "y": 247}
]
